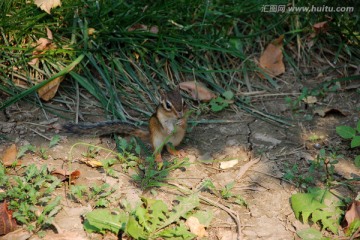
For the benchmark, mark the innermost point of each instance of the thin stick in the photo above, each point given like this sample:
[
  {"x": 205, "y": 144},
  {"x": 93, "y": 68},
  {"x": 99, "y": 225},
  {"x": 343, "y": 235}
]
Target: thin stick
[
  {"x": 41, "y": 134},
  {"x": 245, "y": 168},
  {"x": 77, "y": 102}
]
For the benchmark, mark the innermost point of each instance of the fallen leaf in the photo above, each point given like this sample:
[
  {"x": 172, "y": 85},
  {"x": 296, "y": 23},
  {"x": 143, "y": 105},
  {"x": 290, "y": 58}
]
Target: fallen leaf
[
  {"x": 271, "y": 61},
  {"x": 10, "y": 156},
  {"x": 154, "y": 29},
  {"x": 352, "y": 214},
  {"x": 7, "y": 222},
  {"x": 137, "y": 26},
  {"x": 64, "y": 175},
  {"x": 19, "y": 234},
  {"x": 68, "y": 234},
  {"x": 195, "y": 227},
  {"x": 325, "y": 111},
  {"x": 197, "y": 91},
  {"x": 143, "y": 27},
  {"x": 47, "y": 5},
  {"x": 320, "y": 27},
  {"x": 229, "y": 164},
  {"x": 310, "y": 99},
  {"x": 91, "y": 163},
  {"x": 91, "y": 31},
  {"x": 41, "y": 45},
  {"x": 49, "y": 34},
  {"x": 48, "y": 91}
]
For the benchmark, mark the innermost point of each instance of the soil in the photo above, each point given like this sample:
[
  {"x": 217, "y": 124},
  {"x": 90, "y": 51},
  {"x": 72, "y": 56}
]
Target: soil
[{"x": 235, "y": 136}]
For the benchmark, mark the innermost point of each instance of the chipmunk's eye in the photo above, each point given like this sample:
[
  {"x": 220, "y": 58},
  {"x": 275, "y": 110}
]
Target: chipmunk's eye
[{"x": 167, "y": 105}]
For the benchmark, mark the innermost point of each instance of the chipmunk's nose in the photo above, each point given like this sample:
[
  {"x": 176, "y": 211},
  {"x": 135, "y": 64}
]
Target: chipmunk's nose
[{"x": 180, "y": 114}]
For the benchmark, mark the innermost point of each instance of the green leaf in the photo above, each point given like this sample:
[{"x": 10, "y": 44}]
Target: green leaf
[
  {"x": 309, "y": 234},
  {"x": 327, "y": 220},
  {"x": 186, "y": 204},
  {"x": 312, "y": 204},
  {"x": 355, "y": 142},
  {"x": 54, "y": 140},
  {"x": 306, "y": 204},
  {"x": 204, "y": 217},
  {"x": 354, "y": 226},
  {"x": 103, "y": 219},
  {"x": 228, "y": 95},
  {"x": 177, "y": 233},
  {"x": 345, "y": 132},
  {"x": 358, "y": 126},
  {"x": 357, "y": 161},
  {"x": 134, "y": 229},
  {"x": 24, "y": 149}
]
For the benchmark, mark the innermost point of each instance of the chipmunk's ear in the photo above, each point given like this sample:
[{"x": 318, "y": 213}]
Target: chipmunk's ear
[{"x": 162, "y": 95}]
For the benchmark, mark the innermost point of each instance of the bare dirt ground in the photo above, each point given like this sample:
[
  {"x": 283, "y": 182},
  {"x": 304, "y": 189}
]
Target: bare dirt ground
[{"x": 268, "y": 214}]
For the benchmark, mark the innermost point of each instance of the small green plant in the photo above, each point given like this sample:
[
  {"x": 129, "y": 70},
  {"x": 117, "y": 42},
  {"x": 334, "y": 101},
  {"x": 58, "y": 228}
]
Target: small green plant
[
  {"x": 54, "y": 140},
  {"x": 151, "y": 176},
  {"x": 43, "y": 153},
  {"x": 30, "y": 196},
  {"x": 129, "y": 152},
  {"x": 319, "y": 206},
  {"x": 98, "y": 194},
  {"x": 91, "y": 152},
  {"x": 321, "y": 168},
  {"x": 352, "y": 134},
  {"x": 150, "y": 220},
  {"x": 221, "y": 102},
  {"x": 224, "y": 193}
]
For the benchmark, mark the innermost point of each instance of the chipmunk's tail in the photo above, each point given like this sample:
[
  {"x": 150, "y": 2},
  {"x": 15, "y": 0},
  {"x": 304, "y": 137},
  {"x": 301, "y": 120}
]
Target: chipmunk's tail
[{"x": 107, "y": 128}]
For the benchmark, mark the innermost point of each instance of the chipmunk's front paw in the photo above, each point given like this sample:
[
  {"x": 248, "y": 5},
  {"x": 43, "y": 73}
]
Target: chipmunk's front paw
[{"x": 181, "y": 122}]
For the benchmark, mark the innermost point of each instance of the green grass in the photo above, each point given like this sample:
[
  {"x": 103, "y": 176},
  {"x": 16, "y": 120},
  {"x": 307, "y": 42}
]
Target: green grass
[{"x": 214, "y": 42}]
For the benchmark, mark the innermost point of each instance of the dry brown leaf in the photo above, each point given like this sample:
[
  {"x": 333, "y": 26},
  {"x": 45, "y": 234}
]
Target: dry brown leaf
[
  {"x": 320, "y": 27},
  {"x": 10, "y": 155},
  {"x": 7, "y": 222},
  {"x": 352, "y": 214},
  {"x": 154, "y": 29},
  {"x": 197, "y": 91},
  {"x": 19, "y": 234},
  {"x": 271, "y": 61},
  {"x": 48, "y": 91},
  {"x": 325, "y": 111},
  {"x": 196, "y": 227},
  {"x": 91, "y": 31},
  {"x": 47, "y": 5},
  {"x": 49, "y": 34},
  {"x": 310, "y": 100},
  {"x": 67, "y": 234},
  {"x": 143, "y": 27},
  {"x": 64, "y": 175},
  {"x": 41, "y": 45},
  {"x": 94, "y": 163}
]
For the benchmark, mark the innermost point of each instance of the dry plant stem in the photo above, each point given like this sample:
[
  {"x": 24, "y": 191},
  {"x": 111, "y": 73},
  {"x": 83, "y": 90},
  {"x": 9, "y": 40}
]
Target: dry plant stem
[
  {"x": 42, "y": 135},
  {"x": 77, "y": 102},
  {"x": 232, "y": 213},
  {"x": 245, "y": 168}
]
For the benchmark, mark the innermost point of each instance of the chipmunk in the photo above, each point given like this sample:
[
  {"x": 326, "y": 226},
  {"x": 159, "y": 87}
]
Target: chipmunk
[{"x": 167, "y": 126}]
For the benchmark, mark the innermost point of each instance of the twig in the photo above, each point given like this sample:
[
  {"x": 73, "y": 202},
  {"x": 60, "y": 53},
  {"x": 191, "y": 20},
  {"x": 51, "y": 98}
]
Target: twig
[
  {"x": 232, "y": 213},
  {"x": 41, "y": 134},
  {"x": 245, "y": 168},
  {"x": 77, "y": 102}
]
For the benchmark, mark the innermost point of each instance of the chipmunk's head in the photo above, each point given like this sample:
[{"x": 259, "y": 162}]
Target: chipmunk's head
[{"x": 172, "y": 102}]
